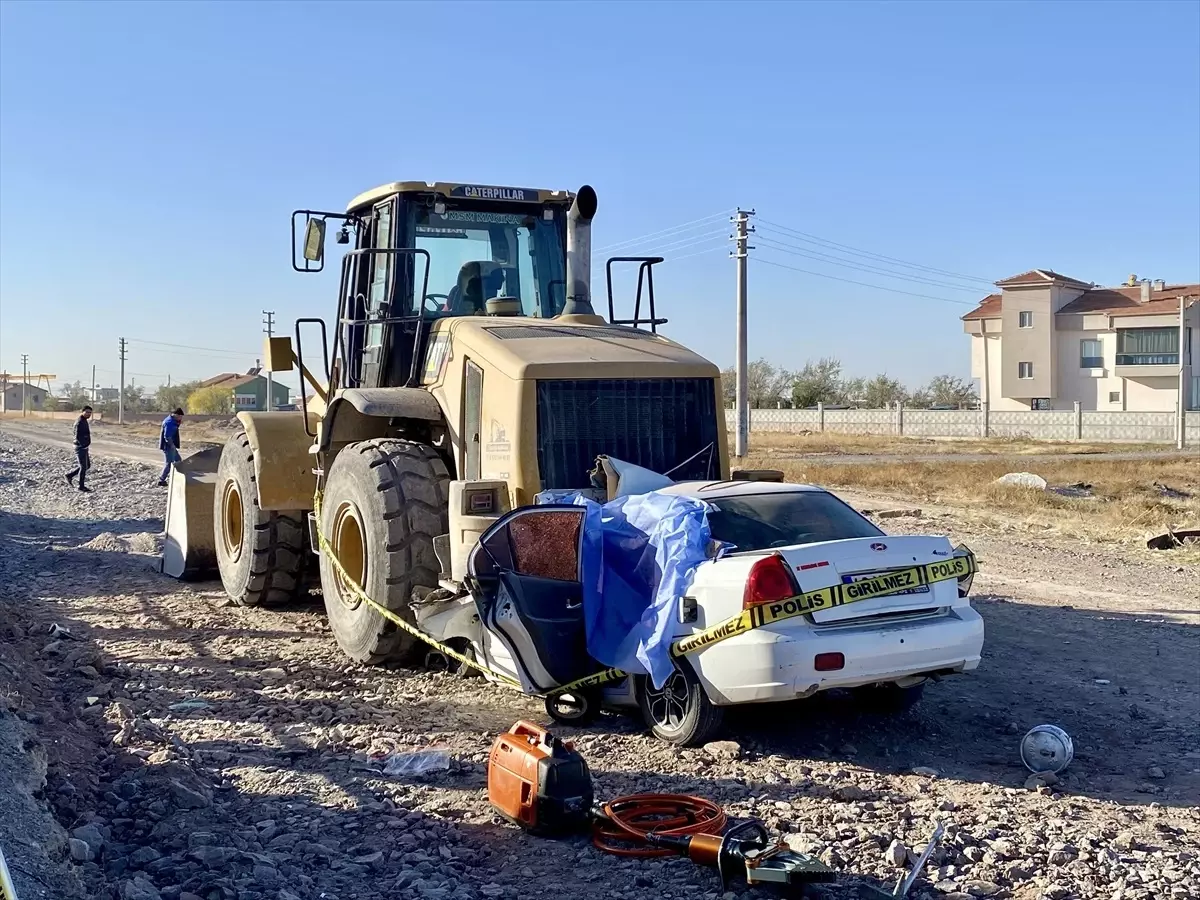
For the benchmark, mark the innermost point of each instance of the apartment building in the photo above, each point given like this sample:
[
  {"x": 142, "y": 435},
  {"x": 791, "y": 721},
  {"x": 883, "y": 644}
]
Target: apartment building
[{"x": 1047, "y": 341}]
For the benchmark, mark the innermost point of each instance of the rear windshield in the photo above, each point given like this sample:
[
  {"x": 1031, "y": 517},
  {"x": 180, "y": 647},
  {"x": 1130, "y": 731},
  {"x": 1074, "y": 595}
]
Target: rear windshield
[{"x": 763, "y": 521}]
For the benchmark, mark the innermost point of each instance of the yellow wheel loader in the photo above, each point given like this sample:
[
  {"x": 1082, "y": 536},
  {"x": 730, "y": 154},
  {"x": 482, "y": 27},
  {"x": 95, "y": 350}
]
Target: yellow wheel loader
[{"x": 465, "y": 371}]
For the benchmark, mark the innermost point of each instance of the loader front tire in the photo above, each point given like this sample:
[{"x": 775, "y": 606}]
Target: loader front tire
[
  {"x": 260, "y": 554},
  {"x": 384, "y": 502}
]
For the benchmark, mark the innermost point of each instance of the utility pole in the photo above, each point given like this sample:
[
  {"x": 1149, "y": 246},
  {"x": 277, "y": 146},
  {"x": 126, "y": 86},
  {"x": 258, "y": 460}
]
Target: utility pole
[
  {"x": 269, "y": 330},
  {"x": 742, "y": 402},
  {"x": 93, "y": 383},
  {"x": 121, "y": 386},
  {"x": 1184, "y": 348},
  {"x": 24, "y": 384}
]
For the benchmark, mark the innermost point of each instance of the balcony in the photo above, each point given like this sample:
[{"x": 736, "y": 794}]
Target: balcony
[{"x": 1148, "y": 359}]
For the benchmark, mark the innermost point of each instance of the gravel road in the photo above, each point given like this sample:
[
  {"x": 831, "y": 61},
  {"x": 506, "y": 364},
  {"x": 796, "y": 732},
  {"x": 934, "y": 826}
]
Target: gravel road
[{"x": 183, "y": 748}]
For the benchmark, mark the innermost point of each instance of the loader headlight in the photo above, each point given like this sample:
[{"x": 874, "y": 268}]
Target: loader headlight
[{"x": 964, "y": 583}]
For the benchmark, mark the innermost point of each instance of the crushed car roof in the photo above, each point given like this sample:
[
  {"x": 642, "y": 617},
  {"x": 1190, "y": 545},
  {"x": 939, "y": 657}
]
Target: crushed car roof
[{"x": 708, "y": 490}]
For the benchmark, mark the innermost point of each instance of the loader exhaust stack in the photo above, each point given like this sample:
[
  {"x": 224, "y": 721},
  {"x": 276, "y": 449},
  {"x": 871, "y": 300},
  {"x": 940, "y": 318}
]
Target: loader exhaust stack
[{"x": 579, "y": 254}]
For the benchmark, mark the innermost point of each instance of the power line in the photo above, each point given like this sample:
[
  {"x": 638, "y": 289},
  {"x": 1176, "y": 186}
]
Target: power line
[
  {"x": 812, "y": 238},
  {"x": 684, "y": 227},
  {"x": 721, "y": 246},
  {"x": 684, "y": 243},
  {"x": 210, "y": 350},
  {"x": 822, "y": 257},
  {"x": 878, "y": 287}
]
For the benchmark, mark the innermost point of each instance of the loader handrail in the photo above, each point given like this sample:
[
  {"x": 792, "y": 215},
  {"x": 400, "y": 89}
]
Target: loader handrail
[
  {"x": 645, "y": 271},
  {"x": 304, "y": 373},
  {"x": 354, "y": 379}
]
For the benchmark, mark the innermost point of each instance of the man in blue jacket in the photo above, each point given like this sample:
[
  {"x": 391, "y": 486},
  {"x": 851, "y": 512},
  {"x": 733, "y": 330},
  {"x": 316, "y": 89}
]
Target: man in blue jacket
[{"x": 168, "y": 443}]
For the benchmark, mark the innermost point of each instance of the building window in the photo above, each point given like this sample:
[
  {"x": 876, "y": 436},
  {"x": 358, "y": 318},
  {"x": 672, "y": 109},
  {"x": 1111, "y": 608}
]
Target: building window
[
  {"x": 1114, "y": 396},
  {"x": 1091, "y": 355},
  {"x": 1040, "y": 403},
  {"x": 1148, "y": 347},
  {"x": 1025, "y": 319},
  {"x": 1024, "y": 370}
]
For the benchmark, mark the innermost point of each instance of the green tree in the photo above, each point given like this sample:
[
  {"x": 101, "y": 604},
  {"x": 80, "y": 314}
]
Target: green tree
[
  {"x": 881, "y": 391},
  {"x": 170, "y": 397},
  {"x": 766, "y": 384},
  {"x": 74, "y": 396},
  {"x": 819, "y": 382},
  {"x": 950, "y": 390},
  {"x": 210, "y": 401}
]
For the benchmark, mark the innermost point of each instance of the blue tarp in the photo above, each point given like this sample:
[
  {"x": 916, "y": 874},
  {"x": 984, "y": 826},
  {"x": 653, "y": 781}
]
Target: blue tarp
[{"x": 639, "y": 553}]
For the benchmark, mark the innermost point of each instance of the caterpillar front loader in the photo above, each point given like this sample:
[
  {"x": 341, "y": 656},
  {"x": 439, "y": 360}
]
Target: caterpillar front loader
[{"x": 464, "y": 372}]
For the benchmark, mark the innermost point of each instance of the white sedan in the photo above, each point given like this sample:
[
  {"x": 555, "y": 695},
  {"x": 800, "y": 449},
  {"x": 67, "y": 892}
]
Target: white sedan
[{"x": 787, "y": 540}]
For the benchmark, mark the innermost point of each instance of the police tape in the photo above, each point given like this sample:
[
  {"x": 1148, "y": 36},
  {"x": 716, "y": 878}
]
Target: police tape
[
  {"x": 361, "y": 595},
  {"x": 891, "y": 583},
  {"x": 8, "y": 890},
  {"x": 887, "y": 584}
]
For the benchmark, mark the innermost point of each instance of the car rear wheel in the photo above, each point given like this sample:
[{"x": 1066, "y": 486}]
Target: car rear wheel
[{"x": 679, "y": 712}]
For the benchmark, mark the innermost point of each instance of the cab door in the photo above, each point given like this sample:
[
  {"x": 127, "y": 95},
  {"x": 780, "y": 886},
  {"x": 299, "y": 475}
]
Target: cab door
[
  {"x": 525, "y": 576},
  {"x": 379, "y": 294}
]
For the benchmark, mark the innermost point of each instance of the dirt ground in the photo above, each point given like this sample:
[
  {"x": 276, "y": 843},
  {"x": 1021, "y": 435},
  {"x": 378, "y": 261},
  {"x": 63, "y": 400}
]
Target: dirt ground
[{"x": 197, "y": 750}]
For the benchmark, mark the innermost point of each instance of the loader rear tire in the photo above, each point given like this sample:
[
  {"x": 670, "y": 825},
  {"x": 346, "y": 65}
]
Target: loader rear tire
[
  {"x": 384, "y": 502},
  {"x": 260, "y": 554}
]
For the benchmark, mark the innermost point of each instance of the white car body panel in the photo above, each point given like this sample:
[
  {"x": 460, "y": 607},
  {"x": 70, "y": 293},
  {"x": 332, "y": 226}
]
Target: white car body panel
[{"x": 892, "y": 639}]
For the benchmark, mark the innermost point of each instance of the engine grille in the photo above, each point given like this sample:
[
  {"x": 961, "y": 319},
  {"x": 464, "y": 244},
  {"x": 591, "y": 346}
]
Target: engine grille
[{"x": 657, "y": 423}]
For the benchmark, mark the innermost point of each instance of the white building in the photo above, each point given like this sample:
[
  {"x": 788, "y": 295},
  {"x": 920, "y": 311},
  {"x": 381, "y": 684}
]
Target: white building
[{"x": 1047, "y": 341}]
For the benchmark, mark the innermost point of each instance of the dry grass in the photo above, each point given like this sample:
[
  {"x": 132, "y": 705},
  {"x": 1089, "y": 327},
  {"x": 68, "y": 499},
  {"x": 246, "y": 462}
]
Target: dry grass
[
  {"x": 1125, "y": 502},
  {"x": 214, "y": 431},
  {"x": 787, "y": 444}
]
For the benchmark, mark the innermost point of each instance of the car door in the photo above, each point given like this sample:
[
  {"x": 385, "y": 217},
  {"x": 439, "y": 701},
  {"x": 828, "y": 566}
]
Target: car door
[{"x": 525, "y": 578}]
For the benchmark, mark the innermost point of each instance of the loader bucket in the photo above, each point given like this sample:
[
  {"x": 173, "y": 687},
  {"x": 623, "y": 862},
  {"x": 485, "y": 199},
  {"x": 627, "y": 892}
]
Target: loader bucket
[{"x": 189, "y": 545}]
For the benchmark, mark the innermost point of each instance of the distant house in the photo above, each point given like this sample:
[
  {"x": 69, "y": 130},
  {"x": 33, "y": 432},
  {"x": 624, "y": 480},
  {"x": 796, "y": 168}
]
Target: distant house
[
  {"x": 250, "y": 390},
  {"x": 1046, "y": 341},
  {"x": 13, "y": 395}
]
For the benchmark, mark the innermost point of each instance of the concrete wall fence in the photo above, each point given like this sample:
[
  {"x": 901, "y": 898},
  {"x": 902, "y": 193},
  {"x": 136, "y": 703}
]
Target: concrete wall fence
[
  {"x": 1048, "y": 425},
  {"x": 131, "y": 418}
]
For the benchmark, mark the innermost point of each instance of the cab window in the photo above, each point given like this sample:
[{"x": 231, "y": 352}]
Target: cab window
[{"x": 475, "y": 256}]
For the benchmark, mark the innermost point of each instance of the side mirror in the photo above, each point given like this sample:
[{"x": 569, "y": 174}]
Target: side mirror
[
  {"x": 314, "y": 240},
  {"x": 308, "y": 254}
]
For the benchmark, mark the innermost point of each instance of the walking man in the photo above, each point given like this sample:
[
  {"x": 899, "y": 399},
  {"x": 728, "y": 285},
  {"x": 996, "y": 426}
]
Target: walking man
[
  {"x": 168, "y": 443},
  {"x": 83, "y": 440}
]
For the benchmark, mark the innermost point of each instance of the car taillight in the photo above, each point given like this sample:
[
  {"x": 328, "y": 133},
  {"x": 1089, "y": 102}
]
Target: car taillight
[
  {"x": 829, "y": 662},
  {"x": 769, "y": 581}
]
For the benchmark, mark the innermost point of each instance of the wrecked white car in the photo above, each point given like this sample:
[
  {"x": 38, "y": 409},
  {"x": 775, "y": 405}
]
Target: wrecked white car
[{"x": 793, "y": 592}]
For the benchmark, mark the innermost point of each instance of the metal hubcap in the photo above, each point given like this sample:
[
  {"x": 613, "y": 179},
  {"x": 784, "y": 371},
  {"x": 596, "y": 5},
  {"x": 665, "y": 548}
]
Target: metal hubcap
[
  {"x": 232, "y": 520},
  {"x": 669, "y": 705},
  {"x": 350, "y": 546}
]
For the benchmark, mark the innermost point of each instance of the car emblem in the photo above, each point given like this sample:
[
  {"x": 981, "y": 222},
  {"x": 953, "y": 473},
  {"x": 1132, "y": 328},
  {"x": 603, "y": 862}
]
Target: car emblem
[{"x": 879, "y": 546}]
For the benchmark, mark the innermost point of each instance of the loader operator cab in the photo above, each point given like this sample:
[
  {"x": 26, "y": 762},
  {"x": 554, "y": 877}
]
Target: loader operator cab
[{"x": 427, "y": 252}]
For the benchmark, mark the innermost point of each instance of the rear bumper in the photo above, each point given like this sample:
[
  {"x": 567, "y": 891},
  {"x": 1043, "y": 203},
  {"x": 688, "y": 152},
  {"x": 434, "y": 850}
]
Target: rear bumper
[{"x": 778, "y": 664}]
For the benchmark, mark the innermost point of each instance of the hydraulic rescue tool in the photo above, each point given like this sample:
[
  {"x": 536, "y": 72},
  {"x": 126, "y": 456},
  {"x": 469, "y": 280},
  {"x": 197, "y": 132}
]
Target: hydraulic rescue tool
[
  {"x": 688, "y": 826},
  {"x": 543, "y": 785}
]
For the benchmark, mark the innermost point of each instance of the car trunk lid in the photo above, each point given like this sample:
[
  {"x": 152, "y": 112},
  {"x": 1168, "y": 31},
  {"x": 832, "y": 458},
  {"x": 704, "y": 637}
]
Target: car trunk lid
[{"x": 842, "y": 562}]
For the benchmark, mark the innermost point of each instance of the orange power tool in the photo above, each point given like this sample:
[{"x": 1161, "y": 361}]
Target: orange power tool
[{"x": 539, "y": 782}]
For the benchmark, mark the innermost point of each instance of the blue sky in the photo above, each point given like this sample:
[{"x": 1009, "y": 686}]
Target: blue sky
[{"x": 151, "y": 154}]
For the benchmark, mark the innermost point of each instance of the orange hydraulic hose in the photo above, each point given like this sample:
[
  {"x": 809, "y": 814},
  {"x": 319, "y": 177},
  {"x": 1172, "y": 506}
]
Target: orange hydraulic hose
[{"x": 627, "y": 821}]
